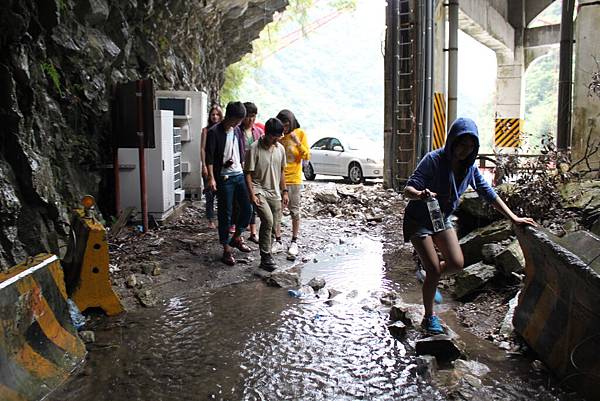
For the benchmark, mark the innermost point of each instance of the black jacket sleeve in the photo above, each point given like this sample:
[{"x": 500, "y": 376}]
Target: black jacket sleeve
[{"x": 211, "y": 146}]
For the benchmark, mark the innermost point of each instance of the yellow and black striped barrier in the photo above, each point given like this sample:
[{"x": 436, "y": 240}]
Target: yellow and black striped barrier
[
  {"x": 439, "y": 121},
  {"x": 39, "y": 347},
  {"x": 508, "y": 133},
  {"x": 558, "y": 314}
]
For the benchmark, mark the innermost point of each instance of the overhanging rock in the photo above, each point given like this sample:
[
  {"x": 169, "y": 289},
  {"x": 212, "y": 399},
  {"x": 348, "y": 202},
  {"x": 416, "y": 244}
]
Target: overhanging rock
[
  {"x": 39, "y": 346},
  {"x": 558, "y": 313}
]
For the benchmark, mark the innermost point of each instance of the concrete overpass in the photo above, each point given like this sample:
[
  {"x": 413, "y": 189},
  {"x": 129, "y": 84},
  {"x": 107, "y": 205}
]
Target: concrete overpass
[{"x": 501, "y": 25}]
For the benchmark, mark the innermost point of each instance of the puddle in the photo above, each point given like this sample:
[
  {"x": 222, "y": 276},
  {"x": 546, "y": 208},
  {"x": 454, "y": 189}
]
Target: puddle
[{"x": 253, "y": 342}]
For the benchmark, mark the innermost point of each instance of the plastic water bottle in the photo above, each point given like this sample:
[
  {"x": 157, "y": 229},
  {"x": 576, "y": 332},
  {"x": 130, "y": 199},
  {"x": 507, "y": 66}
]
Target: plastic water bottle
[
  {"x": 295, "y": 293},
  {"x": 76, "y": 317},
  {"x": 435, "y": 214}
]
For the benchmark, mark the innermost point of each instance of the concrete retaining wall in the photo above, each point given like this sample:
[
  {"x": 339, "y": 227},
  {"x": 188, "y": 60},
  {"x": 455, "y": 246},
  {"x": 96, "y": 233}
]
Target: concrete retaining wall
[{"x": 559, "y": 310}]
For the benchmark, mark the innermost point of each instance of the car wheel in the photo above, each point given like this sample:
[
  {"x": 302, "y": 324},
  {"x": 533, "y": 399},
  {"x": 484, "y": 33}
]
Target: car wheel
[
  {"x": 309, "y": 172},
  {"x": 355, "y": 174}
]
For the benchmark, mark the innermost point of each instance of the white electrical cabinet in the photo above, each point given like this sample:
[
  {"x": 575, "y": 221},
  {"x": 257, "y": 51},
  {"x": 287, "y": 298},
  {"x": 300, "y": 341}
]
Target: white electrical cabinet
[
  {"x": 161, "y": 173},
  {"x": 190, "y": 116}
]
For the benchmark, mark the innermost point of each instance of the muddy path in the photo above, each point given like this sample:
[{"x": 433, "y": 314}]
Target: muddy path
[{"x": 217, "y": 332}]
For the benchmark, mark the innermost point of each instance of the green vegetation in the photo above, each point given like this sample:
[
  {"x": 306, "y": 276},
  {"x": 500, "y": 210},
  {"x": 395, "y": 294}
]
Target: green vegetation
[
  {"x": 541, "y": 100},
  {"x": 52, "y": 73},
  {"x": 296, "y": 14}
]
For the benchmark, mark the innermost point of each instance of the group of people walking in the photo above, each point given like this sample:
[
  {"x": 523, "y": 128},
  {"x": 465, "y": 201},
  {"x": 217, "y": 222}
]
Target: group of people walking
[
  {"x": 261, "y": 172},
  {"x": 253, "y": 170}
]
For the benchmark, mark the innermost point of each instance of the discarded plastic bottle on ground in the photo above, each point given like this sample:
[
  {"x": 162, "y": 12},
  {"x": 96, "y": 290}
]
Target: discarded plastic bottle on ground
[
  {"x": 435, "y": 214},
  {"x": 295, "y": 293},
  {"x": 76, "y": 317}
]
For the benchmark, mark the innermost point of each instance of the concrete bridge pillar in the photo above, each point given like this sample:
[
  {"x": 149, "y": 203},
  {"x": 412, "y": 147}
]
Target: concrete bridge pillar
[
  {"x": 586, "y": 102},
  {"x": 509, "y": 85}
]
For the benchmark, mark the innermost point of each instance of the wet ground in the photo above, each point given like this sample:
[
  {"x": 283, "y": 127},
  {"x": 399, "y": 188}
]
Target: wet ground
[{"x": 234, "y": 338}]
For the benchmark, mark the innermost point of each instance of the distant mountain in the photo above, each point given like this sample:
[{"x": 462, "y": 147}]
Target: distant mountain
[{"x": 332, "y": 79}]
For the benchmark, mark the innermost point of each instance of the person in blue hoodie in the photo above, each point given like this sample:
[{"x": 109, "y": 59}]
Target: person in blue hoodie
[{"x": 445, "y": 174}]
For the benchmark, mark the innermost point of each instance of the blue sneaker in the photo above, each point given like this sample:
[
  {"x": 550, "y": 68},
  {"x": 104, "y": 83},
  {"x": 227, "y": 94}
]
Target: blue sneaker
[
  {"x": 433, "y": 325},
  {"x": 421, "y": 278}
]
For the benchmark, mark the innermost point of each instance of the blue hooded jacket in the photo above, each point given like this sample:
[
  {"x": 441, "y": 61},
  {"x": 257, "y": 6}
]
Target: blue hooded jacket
[{"x": 434, "y": 172}]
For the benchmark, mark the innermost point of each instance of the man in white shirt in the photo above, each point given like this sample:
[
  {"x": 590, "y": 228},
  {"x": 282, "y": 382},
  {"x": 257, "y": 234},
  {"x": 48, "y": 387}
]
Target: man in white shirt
[{"x": 225, "y": 150}]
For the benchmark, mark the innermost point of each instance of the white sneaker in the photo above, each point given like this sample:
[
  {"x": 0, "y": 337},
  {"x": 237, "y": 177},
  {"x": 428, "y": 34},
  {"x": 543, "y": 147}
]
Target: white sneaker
[
  {"x": 293, "y": 249},
  {"x": 276, "y": 247}
]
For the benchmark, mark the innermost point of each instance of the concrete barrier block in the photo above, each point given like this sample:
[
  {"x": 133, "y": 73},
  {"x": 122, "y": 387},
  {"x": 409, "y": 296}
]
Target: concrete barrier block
[
  {"x": 39, "y": 346},
  {"x": 558, "y": 313}
]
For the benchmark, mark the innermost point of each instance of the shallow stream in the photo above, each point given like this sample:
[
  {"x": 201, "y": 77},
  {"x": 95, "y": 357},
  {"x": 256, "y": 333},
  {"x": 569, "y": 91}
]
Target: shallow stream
[{"x": 253, "y": 342}]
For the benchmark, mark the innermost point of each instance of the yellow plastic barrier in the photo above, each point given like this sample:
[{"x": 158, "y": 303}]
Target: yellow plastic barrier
[
  {"x": 39, "y": 346},
  {"x": 86, "y": 274}
]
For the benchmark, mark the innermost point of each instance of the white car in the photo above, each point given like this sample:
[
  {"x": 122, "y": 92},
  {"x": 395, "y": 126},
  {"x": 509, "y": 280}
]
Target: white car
[{"x": 352, "y": 159}]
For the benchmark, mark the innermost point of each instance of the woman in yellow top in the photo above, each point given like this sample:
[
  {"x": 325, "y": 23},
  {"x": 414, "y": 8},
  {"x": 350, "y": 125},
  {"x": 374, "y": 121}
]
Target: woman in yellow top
[{"x": 296, "y": 149}]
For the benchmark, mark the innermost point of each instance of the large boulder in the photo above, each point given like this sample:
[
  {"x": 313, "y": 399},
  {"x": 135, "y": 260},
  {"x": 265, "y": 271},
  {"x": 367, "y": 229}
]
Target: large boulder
[
  {"x": 472, "y": 279},
  {"x": 472, "y": 243},
  {"x": 511, "y": 259}
]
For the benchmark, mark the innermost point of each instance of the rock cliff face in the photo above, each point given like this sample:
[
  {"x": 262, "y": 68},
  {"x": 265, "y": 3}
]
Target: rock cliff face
[{"x": 59, "y": 61}]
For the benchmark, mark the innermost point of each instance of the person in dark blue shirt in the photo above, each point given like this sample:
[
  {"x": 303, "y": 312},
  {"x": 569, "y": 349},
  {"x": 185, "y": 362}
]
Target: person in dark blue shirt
[{"x": 445, "y": 174}]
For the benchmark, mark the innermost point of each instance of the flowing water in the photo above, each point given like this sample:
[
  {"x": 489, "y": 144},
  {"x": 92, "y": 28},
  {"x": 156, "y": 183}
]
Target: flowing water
[{"x": 253, "y": 342}]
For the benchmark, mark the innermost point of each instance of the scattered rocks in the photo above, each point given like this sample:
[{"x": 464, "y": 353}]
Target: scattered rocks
[
  {"x": 397, "y": 329},
  {"x": 443, "y": 346},
  {"x": 151, "y": 268},
  {"x": 326, "y": 194},
  {"x": 131, "y": 281},
  {"x": 317, "y": 283},
  {"x": 284, "y": 278},
  {"x": 472, "y": 243},
  {"x": 146, "y": 297},
  {"x": 472, "y": 279},
  {"x": 511, "y": 259},
  {"x": 409, "y": 314},
  {"x": 87, "y": 336},
  {"x": 426, "y": 366},
  {"x": 463, "y": 367}
]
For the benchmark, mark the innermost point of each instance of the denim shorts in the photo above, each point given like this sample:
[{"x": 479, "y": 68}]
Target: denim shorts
[{"x": 412, "y": 228}]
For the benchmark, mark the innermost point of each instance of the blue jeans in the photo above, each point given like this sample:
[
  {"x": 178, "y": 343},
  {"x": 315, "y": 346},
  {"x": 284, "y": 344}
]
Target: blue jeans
[
  {"x": 230, "y": 191},
  {"x": 209, "y": 196}
]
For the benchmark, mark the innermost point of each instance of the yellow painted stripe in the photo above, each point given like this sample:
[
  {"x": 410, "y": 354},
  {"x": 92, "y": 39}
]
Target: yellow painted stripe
[
  {"x": 439, "y": 120},
  {"x": 37, "y": 365},
  {"x": 59, "y": 278},
  {"x": 543, "y": 310},
  {"x": 7, "y": 394},
  {"x": 47, "y": 321}
]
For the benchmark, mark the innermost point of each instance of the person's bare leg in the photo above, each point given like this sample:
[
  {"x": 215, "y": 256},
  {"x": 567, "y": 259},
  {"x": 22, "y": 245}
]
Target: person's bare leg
[
  {"x": 429, "y": 258},
  {"x": 252, "y": 228},
  {"x": 447, "y": 242},
  {"x": 295, "y": 227}
]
